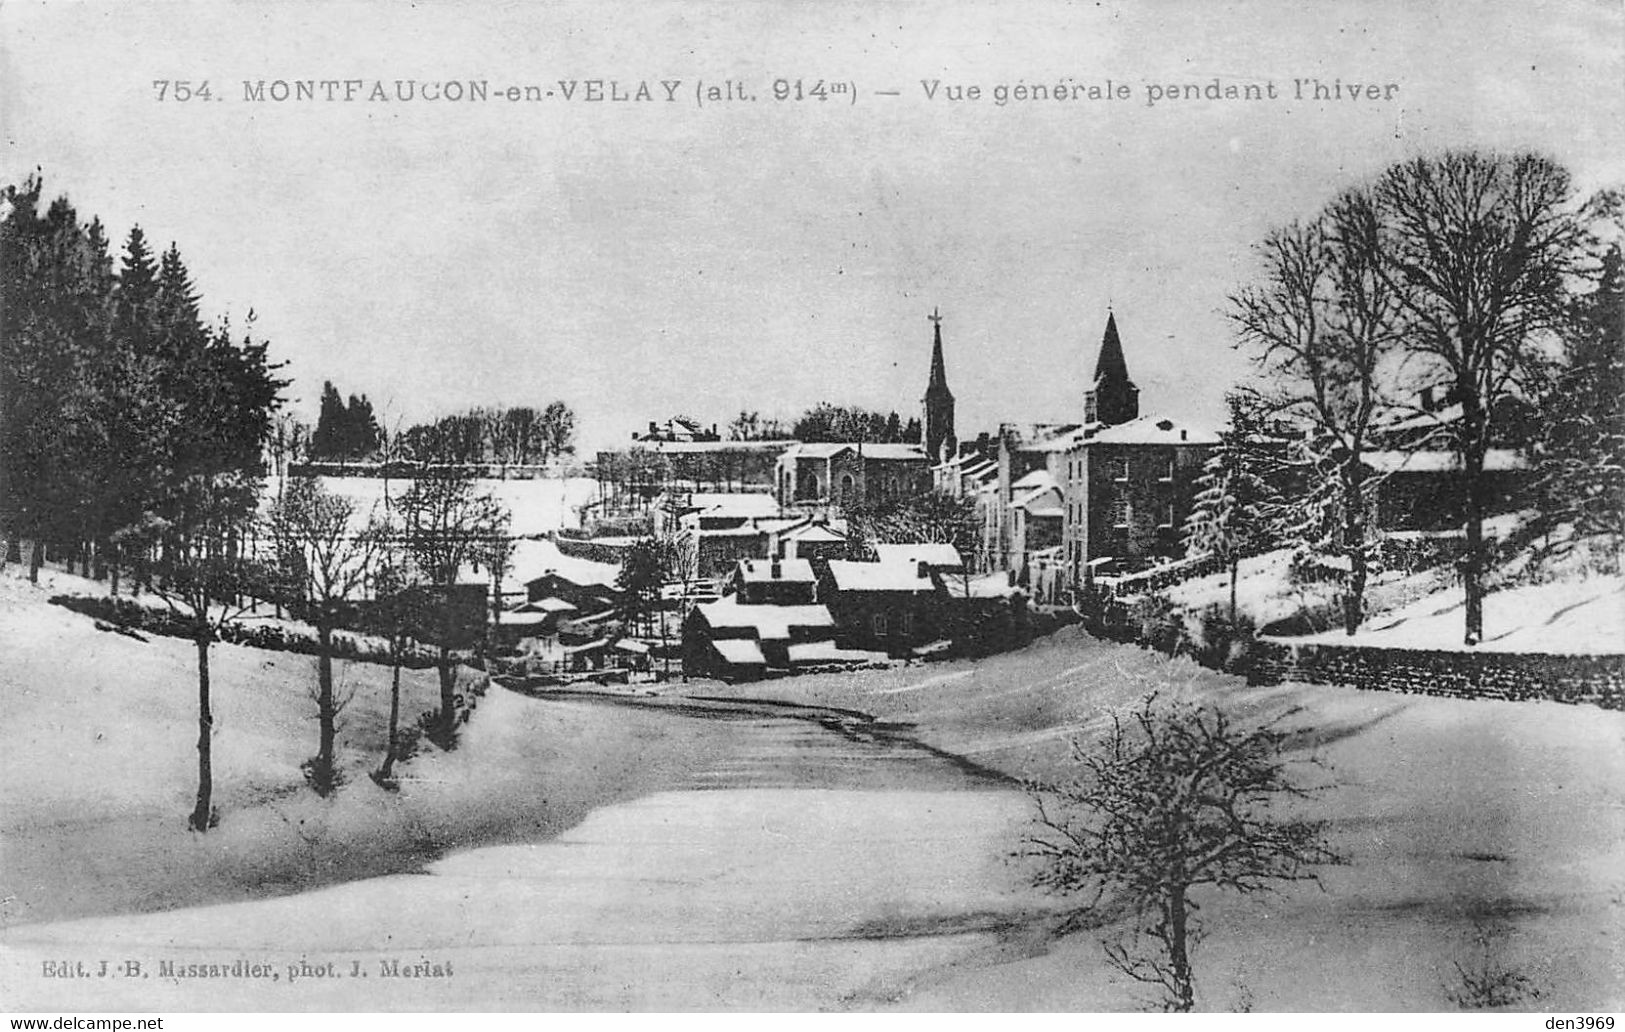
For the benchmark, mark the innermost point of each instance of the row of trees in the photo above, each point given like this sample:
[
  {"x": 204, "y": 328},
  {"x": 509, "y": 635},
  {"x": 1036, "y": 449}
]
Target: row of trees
[
  {"x": 132, "y": 432},
  {"x": 1481, "y": 277},
  {"x": 500, "y": 436},
  {"x": 393, "y": 571},
  {"x": 119, "y": 407},
  {"x": 133, "y": 437},
  {"x": 825, "y": 422},
  {"x": 837, "y": 423}
]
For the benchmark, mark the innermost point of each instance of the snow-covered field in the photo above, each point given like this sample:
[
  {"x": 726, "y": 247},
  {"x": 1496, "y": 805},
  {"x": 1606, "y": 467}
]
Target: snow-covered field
[
  {"x": 1456, "y": 819},
  {"x": 537, "y": 506},
  {"x": 1568, "y": 617}
]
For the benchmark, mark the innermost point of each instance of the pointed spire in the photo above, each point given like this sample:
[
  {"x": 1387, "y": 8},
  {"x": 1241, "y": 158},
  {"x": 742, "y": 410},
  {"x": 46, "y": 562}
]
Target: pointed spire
[
  {"x": 939, "y": 371},
  {"x": 1115, "y": 397},
  {"x": 1111, "y": 365},
  {"x": 937, "y": 422}
]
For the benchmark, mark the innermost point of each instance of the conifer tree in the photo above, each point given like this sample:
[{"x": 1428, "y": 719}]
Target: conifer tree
[{"x": 1231, "y": 514}]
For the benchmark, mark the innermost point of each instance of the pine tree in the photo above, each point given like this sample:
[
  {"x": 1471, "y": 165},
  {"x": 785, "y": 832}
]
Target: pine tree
[
  {"x": 1581, "y": 471},
  {"x": 1235, "y": 503},
  {"x": 327, "y": 440}
]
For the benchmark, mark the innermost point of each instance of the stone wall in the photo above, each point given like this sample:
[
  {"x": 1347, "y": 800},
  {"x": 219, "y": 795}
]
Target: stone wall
[{"x": 1599, "y": 680}]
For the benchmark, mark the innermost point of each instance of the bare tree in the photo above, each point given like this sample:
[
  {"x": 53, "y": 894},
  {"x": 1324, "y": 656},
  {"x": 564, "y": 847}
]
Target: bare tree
[
  {"x": 1322, "y": 328},
  {"x": 202, "y": 578},
  {"x": 401, "y": 611},
  {"x": 449, "y": 525},
  {"x": 1478, "y": 250},
  {"x": 324, "y": 560},
  {"x": 1176, "y": 801}
]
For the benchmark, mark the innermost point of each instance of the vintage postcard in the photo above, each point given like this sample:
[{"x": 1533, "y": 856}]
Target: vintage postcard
[{"x": 771, "y": 506}]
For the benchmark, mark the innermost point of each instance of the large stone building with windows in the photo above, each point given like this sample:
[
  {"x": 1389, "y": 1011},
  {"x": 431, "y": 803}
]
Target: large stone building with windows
[{"x": 1109, "y": 494}]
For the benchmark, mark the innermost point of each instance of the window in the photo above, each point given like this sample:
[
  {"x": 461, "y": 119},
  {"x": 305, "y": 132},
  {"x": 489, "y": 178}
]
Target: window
[
  {"x": 908, "y": 625},
  {"x": 1168, "y": 470},
  {"x": 1121, "y": 512},
  {"x": 1120, "y": 468},
  {"x": 1167, "y": 515},
  {"x": 878, "y": 622}
]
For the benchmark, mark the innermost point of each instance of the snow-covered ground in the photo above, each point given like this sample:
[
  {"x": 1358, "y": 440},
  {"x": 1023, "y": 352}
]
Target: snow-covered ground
[
  {"x": 537, "y": 506},
  {"x": 1454, "y": 817},
  {"x": 1567, "y": 617}
]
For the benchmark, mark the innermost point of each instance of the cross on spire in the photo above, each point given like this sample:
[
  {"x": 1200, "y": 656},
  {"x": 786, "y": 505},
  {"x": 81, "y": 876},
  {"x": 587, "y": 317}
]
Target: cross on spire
[{"x": 936, "y": 317}]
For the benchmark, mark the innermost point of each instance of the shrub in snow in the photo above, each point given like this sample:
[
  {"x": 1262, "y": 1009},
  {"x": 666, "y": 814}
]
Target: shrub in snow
[{"x": 1225, "y": 644}]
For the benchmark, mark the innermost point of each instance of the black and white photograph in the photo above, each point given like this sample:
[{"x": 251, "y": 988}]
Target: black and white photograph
[{"x": 881, "y": 507}]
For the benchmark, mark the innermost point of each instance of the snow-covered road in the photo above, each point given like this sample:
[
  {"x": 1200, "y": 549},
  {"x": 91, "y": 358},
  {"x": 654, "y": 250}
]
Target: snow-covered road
[{"x": 795, "y": 869}]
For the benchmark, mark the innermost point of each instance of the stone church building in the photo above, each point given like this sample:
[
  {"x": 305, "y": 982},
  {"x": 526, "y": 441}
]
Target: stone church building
[{"x": 1107, "y": 494}]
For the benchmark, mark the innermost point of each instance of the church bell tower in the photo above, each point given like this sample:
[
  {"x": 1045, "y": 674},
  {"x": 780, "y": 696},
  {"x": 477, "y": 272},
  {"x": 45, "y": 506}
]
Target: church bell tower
[
  {"x": 937, "y": 424},
  {"x": 1114, "y": 398}
]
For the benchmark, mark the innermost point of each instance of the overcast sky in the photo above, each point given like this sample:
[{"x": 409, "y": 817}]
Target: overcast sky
[{"x": 643, "y": 259}]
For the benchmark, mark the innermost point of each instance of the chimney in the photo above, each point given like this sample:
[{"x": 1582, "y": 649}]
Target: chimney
[
  {"x": 924, "y": 570},
  {"x": 1184, "y": 435},
  {"x": 778, "y": 569}
]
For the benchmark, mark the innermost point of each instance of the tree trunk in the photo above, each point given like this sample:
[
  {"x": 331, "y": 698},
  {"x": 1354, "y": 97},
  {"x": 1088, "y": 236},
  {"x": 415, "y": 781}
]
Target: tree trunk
[
  {"x": 394, "y": 716},
  {"x": 1235, "y": 574},
  {"x": 1472, "y": 566},
  {"x": 36, "y": 559},
  {"x": 202, "y": 814},
  {"x": 325, "y": 780},
  {"x": 1178, "y": 951},
  {"x": 448, "y": 692},
  {"x": 1354, "y": 543}
]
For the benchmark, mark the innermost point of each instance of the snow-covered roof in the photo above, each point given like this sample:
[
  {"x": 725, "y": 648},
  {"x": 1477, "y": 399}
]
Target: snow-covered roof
[
  {"x": 1039, "y": 479},
  {"x": 814, "y": 533},
  {"x": 1442, "y": 417},
  {"x": 754, "y": 570},
  {"x": 737, "y": 504},
  {"x": 547, "y": 605},
  {"x": 767, "y": 621},
  {"x": 523, "y": 618},
  {"x": 992, "y": 585},
  {"x": 730, "y": 532},
  {"x": 780, "y": 524},
  {"x": 1066, "y": 441},
  {"x": 1029, "y": 436},
  {"x": 533, "y": 560},
  {"x": 858, "y": 576},
  {"x": 1495, "y": 460},
  {"x": 740, "y": 651},
  {"x": 1153, "y": 430},
  {"x": 870, "y": 449},
  {"x": 693, "y": 447},
  {"x": 935, "y": 554},
  {"x": 1038, "y": 493},
  {"x": 829, "y": 652}
]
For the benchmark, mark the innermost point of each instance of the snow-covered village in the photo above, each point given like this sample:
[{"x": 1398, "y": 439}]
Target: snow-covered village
[{"x": 1233, "y": 620}]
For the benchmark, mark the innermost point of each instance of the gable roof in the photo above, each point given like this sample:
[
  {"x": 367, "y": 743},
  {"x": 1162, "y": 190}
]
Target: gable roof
[
  {"x": 814, "y": 533},
  {"x": 767, "y": 621},
  {"x": 940, "y": 555},
  {"x": 762, "y": 570},
  {"x": 740, "y": 504},
  {"x": 870, "y": 450},
  {"x": 858, "y": 576},
  {"x": 1152, "y": 430}
]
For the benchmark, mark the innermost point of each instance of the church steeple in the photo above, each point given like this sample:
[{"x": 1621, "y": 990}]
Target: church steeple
[
  {"x": 1114, "y": 398},
  {"x": 937, "y": 426}
]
